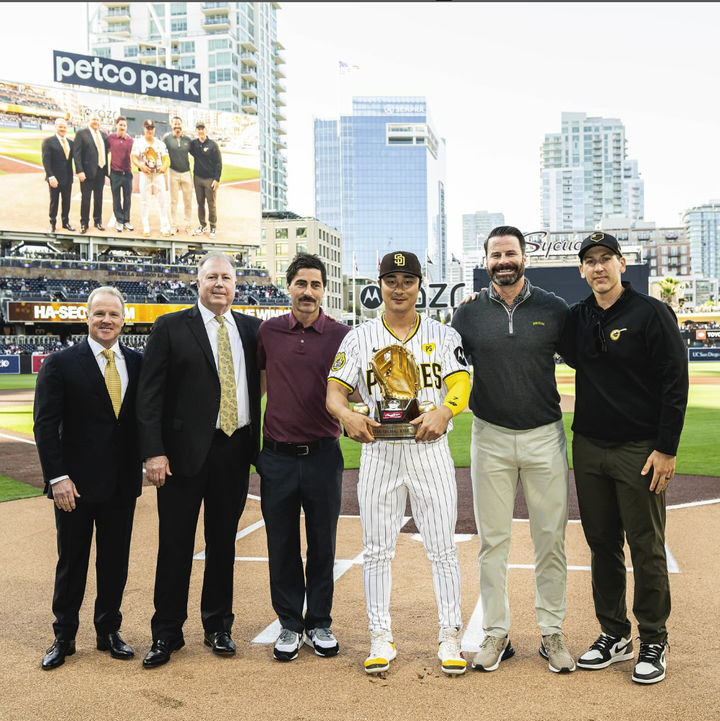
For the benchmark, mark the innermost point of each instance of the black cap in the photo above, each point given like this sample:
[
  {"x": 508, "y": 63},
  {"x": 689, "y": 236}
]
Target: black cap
[
  {"x": 199, "y": 125},
  {"x": 148, "y": 123},
  {"x": 604, "y": 239},
  {"x": 400, "y": 261}
]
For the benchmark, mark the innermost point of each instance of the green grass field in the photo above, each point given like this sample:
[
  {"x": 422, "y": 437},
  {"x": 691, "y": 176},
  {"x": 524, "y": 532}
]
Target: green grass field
[
  {"x": 698, "y": 454},
  {"x": 11, "y": 490}
]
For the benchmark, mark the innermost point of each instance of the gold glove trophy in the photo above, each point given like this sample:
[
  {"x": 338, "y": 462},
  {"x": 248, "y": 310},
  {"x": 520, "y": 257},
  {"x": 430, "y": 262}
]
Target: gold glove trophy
[{"x": 397, "y": 374}]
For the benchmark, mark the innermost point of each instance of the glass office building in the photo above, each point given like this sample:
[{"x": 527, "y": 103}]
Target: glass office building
[
  {"x": 702, "y": 227},
  {"x": 380, "y": 180}
]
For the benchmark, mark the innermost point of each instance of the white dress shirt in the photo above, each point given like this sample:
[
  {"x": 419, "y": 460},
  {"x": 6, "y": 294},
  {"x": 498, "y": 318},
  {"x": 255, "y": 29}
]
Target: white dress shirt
[
  {"x": 236, "y": 348},
  {"x": 97, "y": 351}
]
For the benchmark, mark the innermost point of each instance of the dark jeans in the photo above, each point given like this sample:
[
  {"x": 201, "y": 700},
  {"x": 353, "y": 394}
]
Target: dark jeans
[
  {"x": 59, "y": 195},
  {"x": 315, "y": 483},
  {"x": 113, "y": 521},
  {"x": 615, "y": 501},
  {"x": 121, "y": 186},
  {"x": 92, "y": 188},
  {"x": 204, "y": 192},
  {"x": 222, "y": 486}
]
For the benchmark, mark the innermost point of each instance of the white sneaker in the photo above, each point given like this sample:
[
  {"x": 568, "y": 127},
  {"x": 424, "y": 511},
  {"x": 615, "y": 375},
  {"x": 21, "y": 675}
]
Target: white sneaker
[
  {"x": 287, "y": 645},
  {"x": 323, "y": 641},
  {"x": 451, "y": 658},
  {"x": 607, "y": 649},
  {"x": 382, "y": 651},
  {"x": 651, "y": 664}
]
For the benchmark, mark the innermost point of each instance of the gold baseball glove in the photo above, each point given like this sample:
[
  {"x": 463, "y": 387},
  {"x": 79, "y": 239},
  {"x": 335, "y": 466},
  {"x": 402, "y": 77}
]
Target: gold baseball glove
[{"x": 396, "y": 372}]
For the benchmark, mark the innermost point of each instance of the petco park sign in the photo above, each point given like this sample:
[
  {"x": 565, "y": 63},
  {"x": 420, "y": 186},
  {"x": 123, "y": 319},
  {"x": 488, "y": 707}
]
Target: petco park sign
[
  {"x": 539, "y": 244},
  {"x": 121, "y": 76}
]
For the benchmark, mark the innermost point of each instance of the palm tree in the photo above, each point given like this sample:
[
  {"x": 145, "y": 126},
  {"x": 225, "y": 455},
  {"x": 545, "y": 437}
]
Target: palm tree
[{"x": 669, "y": 289}]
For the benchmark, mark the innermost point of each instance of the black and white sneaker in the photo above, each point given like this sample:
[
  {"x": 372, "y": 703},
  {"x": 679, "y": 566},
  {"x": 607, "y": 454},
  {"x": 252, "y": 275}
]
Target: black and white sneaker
[
  {"x": 323, "y": 641},
  {"x": 287, "y": 645},
  {"x": 651, "y": 663},
  {"x": 606, "y": 650}
]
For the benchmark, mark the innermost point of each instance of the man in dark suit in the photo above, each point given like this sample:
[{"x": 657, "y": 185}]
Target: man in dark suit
[
  {"x": 86, "y": 436},
  {"x": 57, "y": 161},
  {"x": 199, "y": 425},
  {"x": 90, "y": 155}
]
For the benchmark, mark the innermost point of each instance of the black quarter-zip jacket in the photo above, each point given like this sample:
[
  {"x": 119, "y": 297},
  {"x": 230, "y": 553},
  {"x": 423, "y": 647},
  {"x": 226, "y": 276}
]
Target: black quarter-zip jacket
[{"x": 631, "y": 380}]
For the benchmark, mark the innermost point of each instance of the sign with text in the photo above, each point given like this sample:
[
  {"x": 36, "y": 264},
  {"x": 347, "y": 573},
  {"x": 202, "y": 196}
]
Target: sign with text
[
  {"x": 125, "y": 77},
  {"x": 704, "y": 354},
  {"x": 9, "y": 364}
]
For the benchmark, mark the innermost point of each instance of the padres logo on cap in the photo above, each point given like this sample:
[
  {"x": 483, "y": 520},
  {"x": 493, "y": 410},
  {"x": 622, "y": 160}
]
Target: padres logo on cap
[
  {"x": 596, "y": 237},
  {"x": 399, "y": 259}
]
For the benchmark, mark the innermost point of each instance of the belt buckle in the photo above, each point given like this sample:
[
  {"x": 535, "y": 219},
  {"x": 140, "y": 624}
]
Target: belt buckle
[{"x": 304, "y": 453}]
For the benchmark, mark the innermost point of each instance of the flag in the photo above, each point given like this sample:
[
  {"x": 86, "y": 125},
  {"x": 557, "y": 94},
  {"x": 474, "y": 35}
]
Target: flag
[
  {"x": 355, "y": 265},
  {"x": 454, "y": 259},
  {"x": 429, "y": 262}
]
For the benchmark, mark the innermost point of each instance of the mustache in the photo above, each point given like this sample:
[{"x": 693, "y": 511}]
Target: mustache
[{"x": 308, "y": 298}]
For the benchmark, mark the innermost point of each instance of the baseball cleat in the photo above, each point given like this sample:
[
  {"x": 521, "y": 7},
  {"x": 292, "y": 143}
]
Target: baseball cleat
[
  {"x": 606, "y": 650},
  {"x": 382, "y": 651},
  {"x": 323, "y": 641},
  {"x": 451, "y": 658},
  {"x": 493, "y": 650}
]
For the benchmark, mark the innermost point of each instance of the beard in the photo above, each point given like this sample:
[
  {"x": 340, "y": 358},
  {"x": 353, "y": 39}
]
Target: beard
[{"x": 510, "y": 279}]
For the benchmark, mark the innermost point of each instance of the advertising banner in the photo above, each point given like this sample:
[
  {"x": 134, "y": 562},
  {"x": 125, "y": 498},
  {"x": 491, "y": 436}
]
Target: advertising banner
[
  {"x": 142, "y": 313},
  {"x": 704, "y": 354},
  {"x": 37, "y": 361},
  {"x": 30, "y": 154},
  {"x": 9, "y": 364}
]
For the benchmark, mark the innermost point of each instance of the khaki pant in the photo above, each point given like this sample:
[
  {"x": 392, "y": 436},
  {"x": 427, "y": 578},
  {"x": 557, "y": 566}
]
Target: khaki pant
[
  {"x": 538, "y": 458},
  {"x": 180, "y": 182}
]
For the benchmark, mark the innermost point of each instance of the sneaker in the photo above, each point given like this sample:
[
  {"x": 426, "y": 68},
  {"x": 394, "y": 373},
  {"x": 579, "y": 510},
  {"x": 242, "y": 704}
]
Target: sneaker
[
  {"x": 651, "y": 663},
  {"x": 492, "y": 650},
  {"x": 382, "y": 651},
  {"x": 129, "y": 227},
  {"x": 200, "y": 230},
  {"x": 558, "y": 657},
  {"x": 606, "y": 650},
  {"x": 323, "y": 641},
  {"x": 118, "y": 228},
  {"x": 287, "y": 645},
  {"x": 212, "y": 234},
  {"x": 451, "y": 658}
]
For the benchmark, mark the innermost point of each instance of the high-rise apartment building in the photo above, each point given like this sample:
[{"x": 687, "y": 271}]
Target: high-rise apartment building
[
  {"x": 234, "y": 47},
  {"x": 702, "y": 228},
  {"x": 380, "y": 179},
  {"x": 476, "y": 227},
  {"x": 586, "y": 175}
]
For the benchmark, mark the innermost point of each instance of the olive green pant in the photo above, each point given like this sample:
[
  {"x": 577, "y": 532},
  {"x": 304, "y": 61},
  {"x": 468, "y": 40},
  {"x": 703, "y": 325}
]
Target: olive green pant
[{"x": 615, "y": 502}]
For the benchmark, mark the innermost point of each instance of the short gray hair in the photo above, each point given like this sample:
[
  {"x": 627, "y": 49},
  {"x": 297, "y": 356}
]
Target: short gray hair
[
  {"x": 60, "y": 120},
  {"x": 109, "y": 290},
  {"x": 212, "y": 255}
]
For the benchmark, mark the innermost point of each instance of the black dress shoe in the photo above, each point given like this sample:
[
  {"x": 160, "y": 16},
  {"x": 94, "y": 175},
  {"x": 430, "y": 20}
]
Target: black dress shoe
[
  {"x": 69, "y": 227},
  {"x": 220, "y": 642},
  {"x": 55, "y": 655},
  {"x": 83, "y": 228},
  {"x": 160, "y": 651},
  {"x": 113, "y": 643},
  {"x": 99, "y": 226},
  {"x": 51, "y": 229}
]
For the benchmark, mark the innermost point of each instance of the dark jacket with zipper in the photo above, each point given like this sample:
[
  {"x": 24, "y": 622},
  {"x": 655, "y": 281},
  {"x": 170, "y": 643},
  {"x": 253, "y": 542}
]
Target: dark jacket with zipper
[
  {"x": 512, "y": 352},
  {"x": 631, "y": 382}
]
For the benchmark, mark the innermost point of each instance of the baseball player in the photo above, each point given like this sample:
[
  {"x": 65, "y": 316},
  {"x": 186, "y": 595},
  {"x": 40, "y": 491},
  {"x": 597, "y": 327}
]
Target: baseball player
[{"x": 421, "y": 467}]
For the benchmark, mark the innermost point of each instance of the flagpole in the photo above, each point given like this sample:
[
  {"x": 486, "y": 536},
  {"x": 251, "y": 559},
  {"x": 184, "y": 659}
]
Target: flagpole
[{"x": 354, "y": 290}]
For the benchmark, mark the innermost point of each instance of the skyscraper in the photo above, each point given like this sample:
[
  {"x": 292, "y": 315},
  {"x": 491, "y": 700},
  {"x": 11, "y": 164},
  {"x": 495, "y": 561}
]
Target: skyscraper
[
  {"x": 586, "y": 175},
  {"x": 234, "y": 47},
  {"x": 702, "y": 227},
  {"x": 383, "y": 186},
  {"x": 476, "y": 228}
]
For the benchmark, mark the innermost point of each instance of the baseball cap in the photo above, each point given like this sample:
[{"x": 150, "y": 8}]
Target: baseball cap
[
  {"x": 604, "y": 239},
  {"x": 148, "y": 124},
  {"x": 400, "y": 261},
  {"x": 199, "y": 125}
]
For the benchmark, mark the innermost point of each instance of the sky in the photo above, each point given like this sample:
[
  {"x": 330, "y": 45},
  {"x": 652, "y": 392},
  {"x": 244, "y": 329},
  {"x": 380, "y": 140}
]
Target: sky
[{"x": 497, "y": 77}]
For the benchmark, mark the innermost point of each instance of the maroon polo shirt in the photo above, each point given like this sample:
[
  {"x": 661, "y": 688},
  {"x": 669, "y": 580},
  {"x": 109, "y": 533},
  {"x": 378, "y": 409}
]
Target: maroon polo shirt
[
  {"x": 297, "y": 361},
  {"x": 119, "y": 149}
]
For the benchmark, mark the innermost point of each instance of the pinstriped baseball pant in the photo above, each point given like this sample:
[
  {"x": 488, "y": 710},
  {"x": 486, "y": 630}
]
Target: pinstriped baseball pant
[{"x": 389, "y": 472}]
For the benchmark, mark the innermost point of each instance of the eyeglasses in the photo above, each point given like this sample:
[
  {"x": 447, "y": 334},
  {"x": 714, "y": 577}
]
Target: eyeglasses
[{"x": 405, "y": 283}]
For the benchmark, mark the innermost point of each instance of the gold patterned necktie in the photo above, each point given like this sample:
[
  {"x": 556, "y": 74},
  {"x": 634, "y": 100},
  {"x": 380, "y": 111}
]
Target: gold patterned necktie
[
  {"x": 100, "y": 149},
  {"x": 66, "y": 150},
  {"x": 226, "y": 373},
  {"x": 112, "y": 381}
]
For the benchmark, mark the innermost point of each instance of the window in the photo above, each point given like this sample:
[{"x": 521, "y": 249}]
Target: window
[
  {"x": 220, "y": 44},
  {"x": 187, "y": 63},
  {"x": 301, "y": 247},
  {"x": 131, "y": 51},
  {"x": 281, "y": 266},
  {"x": 178, "y": 8},
  {"x": 281, "y": 232},
  {"x": 281, "y": 248},
  {"x": 301, "y": 232},
  {"x": 178, "y": 25}
]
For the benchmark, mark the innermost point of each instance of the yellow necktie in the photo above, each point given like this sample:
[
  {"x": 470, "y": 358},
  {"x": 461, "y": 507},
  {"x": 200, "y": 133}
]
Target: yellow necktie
[
  {"x": 66, "y": 150},
  {"x": 112, "y": 381},
  {"x": 100, "y": 149},
  {"x": 226, "y": 373}
]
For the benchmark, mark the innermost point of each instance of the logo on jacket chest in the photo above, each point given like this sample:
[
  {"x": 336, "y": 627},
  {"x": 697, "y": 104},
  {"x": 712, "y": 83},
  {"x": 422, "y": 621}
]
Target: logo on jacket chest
[{"x": 615, "y": 333}]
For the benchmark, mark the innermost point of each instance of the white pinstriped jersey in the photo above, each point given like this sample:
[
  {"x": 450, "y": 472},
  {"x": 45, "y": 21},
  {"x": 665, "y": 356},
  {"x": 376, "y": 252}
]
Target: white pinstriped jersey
[{"x": 437, "y": 350}]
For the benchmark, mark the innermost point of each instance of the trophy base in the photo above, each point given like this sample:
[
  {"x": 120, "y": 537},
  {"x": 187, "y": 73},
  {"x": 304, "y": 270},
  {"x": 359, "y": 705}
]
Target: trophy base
[{"x": 394, "y": 432}]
